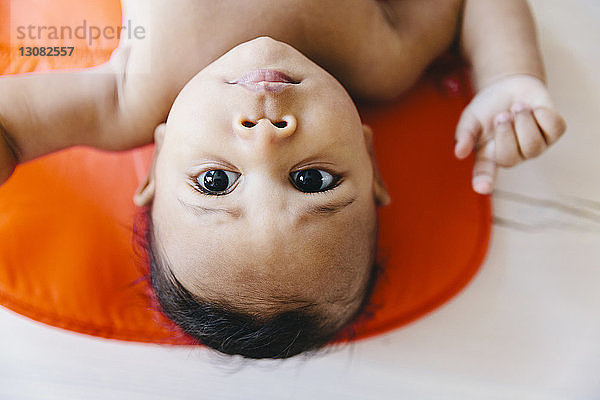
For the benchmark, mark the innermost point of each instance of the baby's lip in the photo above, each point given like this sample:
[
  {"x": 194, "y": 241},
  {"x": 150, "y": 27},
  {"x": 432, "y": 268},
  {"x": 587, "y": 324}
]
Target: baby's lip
[{"x": 265, "y": 80}]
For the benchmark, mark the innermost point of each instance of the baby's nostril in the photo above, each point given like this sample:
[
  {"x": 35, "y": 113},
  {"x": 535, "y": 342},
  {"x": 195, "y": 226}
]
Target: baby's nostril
[
  {"x": 280, "y": 124},
  {"x": 248, "y": 124}
]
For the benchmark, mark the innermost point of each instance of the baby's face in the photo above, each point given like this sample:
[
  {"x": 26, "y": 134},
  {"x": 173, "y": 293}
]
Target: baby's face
[{"x": 264, "y": 191}]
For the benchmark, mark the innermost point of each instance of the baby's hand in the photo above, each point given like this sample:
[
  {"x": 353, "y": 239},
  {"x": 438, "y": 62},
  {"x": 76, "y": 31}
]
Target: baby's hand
[{"x": 506, "y": 123}]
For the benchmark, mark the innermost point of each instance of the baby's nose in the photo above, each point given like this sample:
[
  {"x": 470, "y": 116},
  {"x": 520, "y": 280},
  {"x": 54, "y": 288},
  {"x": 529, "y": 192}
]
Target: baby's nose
[{"x": 265, "y": 127}]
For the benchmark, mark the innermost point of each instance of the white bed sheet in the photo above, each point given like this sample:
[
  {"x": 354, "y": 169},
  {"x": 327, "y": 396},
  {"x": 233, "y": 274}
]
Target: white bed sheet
[{"x": 527, "y": 327}]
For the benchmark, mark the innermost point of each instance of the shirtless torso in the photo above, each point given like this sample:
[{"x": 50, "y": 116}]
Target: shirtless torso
[{"x": 375, "y": 49}]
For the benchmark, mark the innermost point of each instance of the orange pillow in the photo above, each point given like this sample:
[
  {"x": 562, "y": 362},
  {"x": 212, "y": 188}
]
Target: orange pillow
[{"x": 66, "y": 253}]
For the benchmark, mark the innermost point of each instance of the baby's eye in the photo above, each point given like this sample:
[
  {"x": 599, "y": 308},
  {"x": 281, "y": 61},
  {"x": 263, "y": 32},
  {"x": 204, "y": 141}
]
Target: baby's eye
[
  {"x": 216, "y": 181},
  {"x": 313, "y": 180}
]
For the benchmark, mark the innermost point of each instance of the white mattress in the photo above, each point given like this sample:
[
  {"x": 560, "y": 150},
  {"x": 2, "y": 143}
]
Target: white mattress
[{"x": 527, "y": 327}]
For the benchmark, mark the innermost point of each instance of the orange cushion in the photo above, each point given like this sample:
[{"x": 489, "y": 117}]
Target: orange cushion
[{"x": 66, "y": 254}]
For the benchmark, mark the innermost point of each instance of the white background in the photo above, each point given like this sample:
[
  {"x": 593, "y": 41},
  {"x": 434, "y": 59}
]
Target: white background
[{"x": 527, "y": 327}]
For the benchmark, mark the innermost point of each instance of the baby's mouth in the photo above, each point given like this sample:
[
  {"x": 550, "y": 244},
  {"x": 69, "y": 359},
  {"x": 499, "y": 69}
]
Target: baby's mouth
[{"x": 264, "y": 80}]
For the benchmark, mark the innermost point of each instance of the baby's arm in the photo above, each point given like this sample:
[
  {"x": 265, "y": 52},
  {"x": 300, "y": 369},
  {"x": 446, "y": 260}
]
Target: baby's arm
[
  {"x": 43, "y": 113},
  {"x": 512, "y": 117}
]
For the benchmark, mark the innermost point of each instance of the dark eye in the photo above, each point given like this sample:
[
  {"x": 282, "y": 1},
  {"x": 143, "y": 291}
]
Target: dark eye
[
  {"x": 313, "y": 180},
  {"x": 216, "y": 181}
]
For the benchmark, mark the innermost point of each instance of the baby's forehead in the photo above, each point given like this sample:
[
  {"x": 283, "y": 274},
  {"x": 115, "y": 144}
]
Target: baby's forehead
[
  {"x": 295, "y": 271},
  {"x": 325, "y": 263}
]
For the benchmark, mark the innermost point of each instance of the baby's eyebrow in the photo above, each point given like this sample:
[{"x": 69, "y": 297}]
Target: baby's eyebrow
[{"x": 328, "y": 208}]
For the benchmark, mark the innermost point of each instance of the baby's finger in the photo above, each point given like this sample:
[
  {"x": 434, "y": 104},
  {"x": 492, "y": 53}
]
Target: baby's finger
[
  {"x": 484, "y": 169},
  {"x": 467, "y": 131},
  {"x": 506, "y": 147},
  {"x": 531, "y": 140},
  {"x": 551, "y": 123}
]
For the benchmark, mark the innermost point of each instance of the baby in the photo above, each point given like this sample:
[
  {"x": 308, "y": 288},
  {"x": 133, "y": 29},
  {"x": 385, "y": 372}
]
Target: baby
[{"x": 261, "y": 201}]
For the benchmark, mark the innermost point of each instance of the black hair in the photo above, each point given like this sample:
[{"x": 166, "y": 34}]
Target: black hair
[{"x": 227, "y": 330}]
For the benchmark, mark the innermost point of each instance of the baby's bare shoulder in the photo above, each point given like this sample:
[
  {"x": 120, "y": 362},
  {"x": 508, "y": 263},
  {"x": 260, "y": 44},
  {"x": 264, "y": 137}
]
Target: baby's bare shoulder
[
  {"x": 394, "y": 41},
  {"x": 424, "y": 30}
]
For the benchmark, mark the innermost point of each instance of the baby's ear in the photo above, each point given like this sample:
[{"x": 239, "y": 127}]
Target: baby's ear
[
  {"x": 382, "y": 197},
  {"x": 145, "y": 191}
]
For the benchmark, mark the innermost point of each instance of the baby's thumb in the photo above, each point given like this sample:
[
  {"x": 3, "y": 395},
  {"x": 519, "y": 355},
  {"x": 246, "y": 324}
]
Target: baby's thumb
[{"x": 484, "y": 169}]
